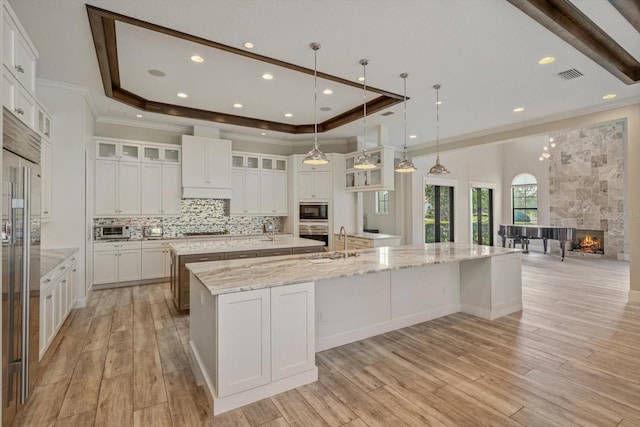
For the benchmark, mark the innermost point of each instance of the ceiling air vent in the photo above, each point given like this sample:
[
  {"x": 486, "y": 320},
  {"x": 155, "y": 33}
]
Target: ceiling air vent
[
  {"x": 388, "y": 113},
  {"x": 570, "y": 74}
]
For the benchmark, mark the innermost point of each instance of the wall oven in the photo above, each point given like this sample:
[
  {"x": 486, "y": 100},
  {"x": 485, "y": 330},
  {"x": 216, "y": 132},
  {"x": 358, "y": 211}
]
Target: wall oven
[
  {"x": 315, "y": 230},
  {"x": 314, "y": 212},
  {"x": 111, "y": 231}
]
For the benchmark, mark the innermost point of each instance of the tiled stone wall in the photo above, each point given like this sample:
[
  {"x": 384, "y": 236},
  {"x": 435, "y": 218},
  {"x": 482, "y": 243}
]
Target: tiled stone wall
[
  {"x": 198, "y": 215},
  {"x": 586, "y": 181}
]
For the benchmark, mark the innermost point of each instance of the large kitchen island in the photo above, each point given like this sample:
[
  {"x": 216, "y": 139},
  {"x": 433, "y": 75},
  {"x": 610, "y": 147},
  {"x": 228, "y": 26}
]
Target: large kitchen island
[{"x": 256, "y": 324}]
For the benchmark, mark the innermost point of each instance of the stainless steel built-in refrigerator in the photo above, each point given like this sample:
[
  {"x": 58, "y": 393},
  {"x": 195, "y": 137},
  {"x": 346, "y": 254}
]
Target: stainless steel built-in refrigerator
[{"x": 20, "y": 264}]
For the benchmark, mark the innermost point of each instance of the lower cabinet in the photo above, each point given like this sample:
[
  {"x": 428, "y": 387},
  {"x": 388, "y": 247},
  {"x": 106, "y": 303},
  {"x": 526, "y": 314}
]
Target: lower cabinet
[
  {"x": 264, "y": 335},
  {"x": 57, "y": 297},
  {"x": 156, "y": 260},
  {"x": 116, "y": 262}
]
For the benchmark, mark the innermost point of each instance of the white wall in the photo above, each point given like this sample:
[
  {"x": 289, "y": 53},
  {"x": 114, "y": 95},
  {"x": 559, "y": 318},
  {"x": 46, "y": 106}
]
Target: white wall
[
  {"x": 72, "y": 125},
  {"x": 476, "y": 164},
  {"x": 385, "y": 223}
]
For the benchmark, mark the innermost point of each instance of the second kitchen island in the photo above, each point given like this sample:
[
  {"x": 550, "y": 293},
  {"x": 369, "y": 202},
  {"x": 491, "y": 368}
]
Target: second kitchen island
[{"x": 255, "y": 325}]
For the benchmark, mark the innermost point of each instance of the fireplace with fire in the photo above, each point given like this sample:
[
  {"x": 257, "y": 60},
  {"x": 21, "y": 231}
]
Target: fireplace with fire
[{"x": 589, "y": 241}]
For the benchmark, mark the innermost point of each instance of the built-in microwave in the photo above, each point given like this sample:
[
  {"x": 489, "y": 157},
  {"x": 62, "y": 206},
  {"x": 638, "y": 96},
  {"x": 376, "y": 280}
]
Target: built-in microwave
[
  {"x": 314, "y": 212},
  {"x": 111, "y": 231}
]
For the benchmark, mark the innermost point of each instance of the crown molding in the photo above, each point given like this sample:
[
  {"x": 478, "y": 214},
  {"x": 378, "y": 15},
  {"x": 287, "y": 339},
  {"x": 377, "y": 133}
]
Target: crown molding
[
  {"x": 429, "y": 147},
  {"x": 69, "y": 87},
  {"x": 181, "y": 129}
]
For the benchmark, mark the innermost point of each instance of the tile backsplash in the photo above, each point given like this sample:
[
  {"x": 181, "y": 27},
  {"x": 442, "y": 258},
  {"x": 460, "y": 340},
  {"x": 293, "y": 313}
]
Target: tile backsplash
[{"x": 197, "y": 216}]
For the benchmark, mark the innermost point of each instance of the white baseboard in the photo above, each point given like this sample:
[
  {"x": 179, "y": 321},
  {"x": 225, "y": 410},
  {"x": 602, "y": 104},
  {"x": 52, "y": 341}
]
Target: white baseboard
[
  {"x": 202, "y": 378},
  {"x": 634, "y": 296},
  {"x": 491, "y": 315},
  {"x": 623, "y": 257},
  {"x": 80, "y": 303}
]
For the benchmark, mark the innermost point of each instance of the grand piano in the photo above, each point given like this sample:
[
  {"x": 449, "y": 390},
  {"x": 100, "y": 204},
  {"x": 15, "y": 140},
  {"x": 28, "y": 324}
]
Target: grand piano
[{"x": 524, "y": 233}]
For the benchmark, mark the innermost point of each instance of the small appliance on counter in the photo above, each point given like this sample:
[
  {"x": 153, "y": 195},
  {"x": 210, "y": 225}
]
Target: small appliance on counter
[
  {"x": 111, "y": 231},
  {"x": 152, "y": 232}
]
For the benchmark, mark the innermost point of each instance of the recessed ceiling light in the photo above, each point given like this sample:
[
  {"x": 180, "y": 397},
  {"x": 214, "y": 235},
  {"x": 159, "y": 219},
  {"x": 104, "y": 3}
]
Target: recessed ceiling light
[
  {"x": 438, "y": 102},
  {"x": 609, "y": 96},
  {"x": 196, "y": 58},
  {"x": 263, "y": 133},
  {"x": 267, "y": 76},
  {"x": 288, "y": 115},
  {"x": 325, "y": 108},
  {"x": 541, "y": 158},
  {"x": 139, "y": 116},
  {"x": 518, "y": 110},
  {"x": 413, "y": 136},
  {"x": 248, "y": 45},
  {"x": 361, "y": 78},
  {"x": 327, "y": 91},
  {"x": 546, "y": 60},
  {"x": 237, "y": 105},
  {"x": 182, "y": 95},
  {"x": 156, "y": 73}
]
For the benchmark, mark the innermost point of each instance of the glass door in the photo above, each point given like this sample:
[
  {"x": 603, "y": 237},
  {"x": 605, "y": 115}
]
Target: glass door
[
  {"x": 482, "y": 216},
  {"x": 438, "y": 213}
]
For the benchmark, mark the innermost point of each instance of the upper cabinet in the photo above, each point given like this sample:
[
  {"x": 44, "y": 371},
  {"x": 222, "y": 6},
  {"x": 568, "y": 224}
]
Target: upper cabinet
[
  {"x": 380, "y": 178},
  {"x": 259, "y": 185},
  {"x": 206, "y": 171},
  {"x": 123, "y": 151},
  {"x": 18, "y": 52}
]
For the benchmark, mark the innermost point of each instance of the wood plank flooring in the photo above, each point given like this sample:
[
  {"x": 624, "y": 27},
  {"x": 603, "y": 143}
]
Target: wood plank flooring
[{"x": 570, "y": 358}]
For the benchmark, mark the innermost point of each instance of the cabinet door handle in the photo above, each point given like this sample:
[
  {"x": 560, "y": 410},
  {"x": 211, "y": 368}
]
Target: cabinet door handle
[
  {"x": 63, "y": 267},
  {"x": 64, "y": 281},
  {"x": 73, "y": 259},
  {"x": 74, "y": 270},
  {"x": 19, "y": 68},
  {"x": 49, "y": 296},
  {"x": 19, "y": 111},
  {"x": 47, "y": 280},
  {"x": 46, "y": 212},
  {"x": 203, "y": 259},
  {"x": 242, "y": 256}
]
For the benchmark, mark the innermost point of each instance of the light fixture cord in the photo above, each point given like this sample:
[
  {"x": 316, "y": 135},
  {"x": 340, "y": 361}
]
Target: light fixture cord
[
  {"x": 315, "y": 98},
  {"x": 438, "y": 124},
  {"x": 404, "y": 155},
  {"x": 364, "y": 97}
]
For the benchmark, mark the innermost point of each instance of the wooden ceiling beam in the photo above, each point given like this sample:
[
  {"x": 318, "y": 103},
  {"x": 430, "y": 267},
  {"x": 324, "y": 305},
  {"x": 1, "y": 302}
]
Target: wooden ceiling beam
[{"x": 566, "y": 21}]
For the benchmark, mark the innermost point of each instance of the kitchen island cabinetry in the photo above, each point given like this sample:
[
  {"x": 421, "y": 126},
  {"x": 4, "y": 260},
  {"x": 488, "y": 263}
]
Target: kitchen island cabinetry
[
  {"x": 365, "y": 241},
  {"x": 228, "y": 249},
  {"x": 308, "y": 304}
]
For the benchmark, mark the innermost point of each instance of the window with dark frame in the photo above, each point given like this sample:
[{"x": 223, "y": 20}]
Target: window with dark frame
[
  {"x": 524, "y": 200},
  {"x": 482, "y": 215},
  {"x": 438, "y": 213}
]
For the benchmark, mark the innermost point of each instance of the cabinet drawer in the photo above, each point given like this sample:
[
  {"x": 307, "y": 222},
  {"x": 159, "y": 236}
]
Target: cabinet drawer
[
  {"x": 308, "y": 250},
  {"x": 275, "y": 252},
  {"x": 186, "y": 259},
  {"x": 359, "y": 243},
  {"x": 115, "y": 246},
  {"x": 241, "y": 254}
]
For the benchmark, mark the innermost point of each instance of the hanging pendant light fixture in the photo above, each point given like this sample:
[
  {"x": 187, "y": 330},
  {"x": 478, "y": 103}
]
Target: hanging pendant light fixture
[
  {"x": 405, "y": 165},
  {"x": 315, "y": 156},
  {"x": 364, "y": 161},
  {"x": 438, "y": 168}
]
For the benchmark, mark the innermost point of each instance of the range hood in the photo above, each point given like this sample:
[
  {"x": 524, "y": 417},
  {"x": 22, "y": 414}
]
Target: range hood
[{"x": 206, "y": 168}]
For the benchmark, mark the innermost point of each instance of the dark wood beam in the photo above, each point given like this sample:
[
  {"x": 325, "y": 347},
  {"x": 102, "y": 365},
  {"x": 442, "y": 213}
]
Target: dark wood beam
[
  {"x": 630, "y": 9},
  {"x": 565, "y": 20},
  {"x": 99, "y": 41}
]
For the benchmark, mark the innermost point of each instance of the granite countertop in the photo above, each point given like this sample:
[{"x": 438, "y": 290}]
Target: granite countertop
[
  {"x": 222, "y": 277},
  {"x": 195, "y": 247},
  {"x": 197, "y": 238},
  {"x": 50, "y": 259},
  {"x": 373, "y": 236}
]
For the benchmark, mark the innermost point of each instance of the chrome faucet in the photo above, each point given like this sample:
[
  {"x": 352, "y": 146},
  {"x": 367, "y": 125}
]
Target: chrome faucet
[{"x": 342, "y": 234}]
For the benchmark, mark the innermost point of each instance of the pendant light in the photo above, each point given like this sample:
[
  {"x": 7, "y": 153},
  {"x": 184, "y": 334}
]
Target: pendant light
[
  {"x": 315, "y": 156},
  {"x": 364, "y": 161},
  {"x": 438, "y": 169},
  {"x": 405, "y": 165}
]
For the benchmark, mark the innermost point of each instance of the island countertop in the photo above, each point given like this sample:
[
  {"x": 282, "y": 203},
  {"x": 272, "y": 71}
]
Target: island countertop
[
  {"x": 196, "y": 247},
  {"x": 222, "y": 277}
]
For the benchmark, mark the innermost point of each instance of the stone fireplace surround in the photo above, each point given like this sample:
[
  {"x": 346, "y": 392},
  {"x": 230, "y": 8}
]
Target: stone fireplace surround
[{"x": 586, "y": 182}]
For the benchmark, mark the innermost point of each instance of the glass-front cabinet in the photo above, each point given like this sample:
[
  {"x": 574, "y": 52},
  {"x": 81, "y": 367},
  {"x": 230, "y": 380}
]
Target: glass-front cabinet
[
  {"x": 379, "y": 178},
  {"x": 123, "y": 151},
  {"x": 152, "y": 153},
  {"x": 247, "y": 161}
]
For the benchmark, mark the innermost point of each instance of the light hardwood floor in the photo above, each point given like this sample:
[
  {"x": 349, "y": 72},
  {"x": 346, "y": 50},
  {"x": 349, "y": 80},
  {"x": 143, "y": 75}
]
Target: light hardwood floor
[{"x": 571, "y": 357}]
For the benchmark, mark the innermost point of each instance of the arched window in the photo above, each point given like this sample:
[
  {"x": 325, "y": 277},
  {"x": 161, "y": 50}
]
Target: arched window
[{"x": 524, "y": 199}]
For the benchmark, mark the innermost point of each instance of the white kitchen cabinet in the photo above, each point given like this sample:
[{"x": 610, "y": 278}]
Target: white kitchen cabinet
[
  {"x": 117, "y": 188},
  {"x": 380, "y": 178},
  {"x": 171, "y": 188},
  {"x": 19, "y": 55},
  {"x": 43, "y": 122},
  {"x": 18, "y": 100},
  {"x": 57, "y": 297},
  {"x": 161, "y": 153},
  {"x": 292, "y": 330},
  {"x": 116, "y": 262},
  {"x": 206, "y": 171},
  {"x": 45, "y": 170},
  {"x": 245, "y": 199},
  {"x": 156, "y": 260},
  {"x": 115, "y": 150},
  {"x": 246, "y": 361},
  {"x": 314, "y": 184},
  {"x": 273, "y": 193},
  {"x": 248, "y": 161},
  {"x": 151, "y": 188},
  {"x": 273, "y": 163}
]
